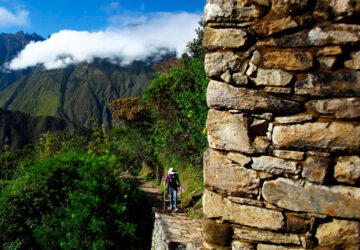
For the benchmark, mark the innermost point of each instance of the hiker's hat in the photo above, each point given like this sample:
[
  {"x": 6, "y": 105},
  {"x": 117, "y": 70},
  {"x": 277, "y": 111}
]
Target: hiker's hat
[{"x": 171, "y": 171}]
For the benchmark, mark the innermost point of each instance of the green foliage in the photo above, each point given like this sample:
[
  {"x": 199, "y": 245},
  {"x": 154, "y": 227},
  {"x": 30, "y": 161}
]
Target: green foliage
[
  {"x": 50, "y": 146},
  {"x": 8, "y": 164},
  {"x": 129, "y": 144},
  {"x": 70, "y": 201},
  {"x": 10, "y": 160},
  {"x": 195, "y": 47},
  {"x": 177, "y": 100}
]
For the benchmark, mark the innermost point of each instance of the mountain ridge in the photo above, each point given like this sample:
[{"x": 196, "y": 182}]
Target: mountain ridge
[
  {"x": 53, "y": 92},
  {"x": 12, "y": 44},
  {"x": 72, "y": 92}
]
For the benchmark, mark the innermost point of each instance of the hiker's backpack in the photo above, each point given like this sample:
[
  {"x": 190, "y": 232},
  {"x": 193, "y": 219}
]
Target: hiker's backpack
[{"x": 173, "y": 182}]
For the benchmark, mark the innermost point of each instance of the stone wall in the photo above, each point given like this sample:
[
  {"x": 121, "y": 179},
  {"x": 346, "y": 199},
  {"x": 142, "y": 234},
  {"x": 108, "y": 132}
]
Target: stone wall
[{"x": 283, "y": 168}]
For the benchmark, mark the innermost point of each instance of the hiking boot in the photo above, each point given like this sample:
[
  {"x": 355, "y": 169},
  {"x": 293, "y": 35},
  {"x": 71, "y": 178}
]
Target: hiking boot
[
  {"x": 176, "y": 209},
  {"x": 170, "y": 207}
]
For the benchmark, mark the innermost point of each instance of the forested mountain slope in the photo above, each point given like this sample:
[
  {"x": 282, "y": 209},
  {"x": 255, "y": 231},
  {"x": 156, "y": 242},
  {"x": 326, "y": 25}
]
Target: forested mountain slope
[
  {"x": 18, "y": 129},
  {"x": 73, "y": 92}
]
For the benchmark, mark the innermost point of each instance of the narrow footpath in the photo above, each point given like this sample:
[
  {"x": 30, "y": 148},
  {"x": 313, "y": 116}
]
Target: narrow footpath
[{"x": 172, "y": 230}]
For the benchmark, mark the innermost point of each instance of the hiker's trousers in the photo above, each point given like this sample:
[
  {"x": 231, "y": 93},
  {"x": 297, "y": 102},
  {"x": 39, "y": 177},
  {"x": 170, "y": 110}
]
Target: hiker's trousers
[{"x": 173, "y": 196}]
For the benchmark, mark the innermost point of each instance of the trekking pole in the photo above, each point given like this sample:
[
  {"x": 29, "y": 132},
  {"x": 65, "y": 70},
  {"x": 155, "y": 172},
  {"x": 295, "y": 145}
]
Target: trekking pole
[
  {"x": 181, "y": 197},
  {"x": 164, "y": 198}
]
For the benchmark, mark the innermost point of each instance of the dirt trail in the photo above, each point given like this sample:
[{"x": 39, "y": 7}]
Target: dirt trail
[{"x": 178, "y": 230}]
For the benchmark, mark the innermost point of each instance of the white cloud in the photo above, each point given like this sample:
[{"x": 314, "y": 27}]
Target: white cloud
[
  {"x": 161, "y": 32},
  {"x": 8, "y": 18}
]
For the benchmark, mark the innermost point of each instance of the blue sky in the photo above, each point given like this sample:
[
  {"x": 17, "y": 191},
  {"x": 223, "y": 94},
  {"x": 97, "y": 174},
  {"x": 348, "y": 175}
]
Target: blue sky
[
  {"x": 119, "y": 31},
  {"x": 49, "y": 16}
]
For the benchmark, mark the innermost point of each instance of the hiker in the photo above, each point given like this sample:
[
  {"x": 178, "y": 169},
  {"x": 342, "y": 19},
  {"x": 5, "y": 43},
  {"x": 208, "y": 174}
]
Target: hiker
[{"x": 173, "y": 182}]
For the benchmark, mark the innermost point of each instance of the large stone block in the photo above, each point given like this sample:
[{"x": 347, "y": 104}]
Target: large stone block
[
  {"x": 286, "y": 7},
  {"x": 238, "y": 245},
  {"x": 240, "y": 79},
  {"x": 217, "y": 63},
  {"x": 228, "y": 131},
  {"x": 288, "y": 60},
  {"x": 240, "y": 159},
  {"x": 275, "y": 26},
  {"x": 261, "y": 144},
  {"x": 275, "y": 166},
  {"x": 230, "y": 10},
  {"x": 335, "y": 136},
  {"x": 300, "y": 118},
  {"x": 266, "y": 236},
  {"x": 253, "y": 216},
  {"x": 316, "y": 169},
  {"x": 225, "y": 96},
  {"x": 335, "y": 34},
  {"x": 347, "y": 169},
  {"x": 336, "y": 84},
  {"x": 215, "y": 206},
  {"x": 275, "y": 247},
  {"x": 339, "y": 201},
  {"x": 329, "y": 51},
  {"x": 224, "y": 38},
  {"x": 342, "y": 108},
  {"x": 334, "y": 9},
  {"x": 272, "y": 77},
  {"x": 288, "y": 154},
  {"x": 219, "y": 10},
  {"x": 221, "y": 174},
  {"x": 341, "y": 234},
  {"x": 216, "y": 233}
]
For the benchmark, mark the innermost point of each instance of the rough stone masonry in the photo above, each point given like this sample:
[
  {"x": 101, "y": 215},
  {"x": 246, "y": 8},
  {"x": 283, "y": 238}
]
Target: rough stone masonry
[{"x": 283, "y": 167}]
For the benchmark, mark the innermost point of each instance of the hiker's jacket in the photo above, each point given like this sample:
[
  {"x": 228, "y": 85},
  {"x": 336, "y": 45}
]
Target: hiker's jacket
[{"x": 172, "y": 181}]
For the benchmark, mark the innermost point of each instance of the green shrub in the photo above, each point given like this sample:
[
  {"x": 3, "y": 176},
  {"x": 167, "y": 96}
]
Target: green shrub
[
  {"x": 74, "y": 200},
  {"x": 178, "y": 105},
  {"x": 177, "y": 102}
]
